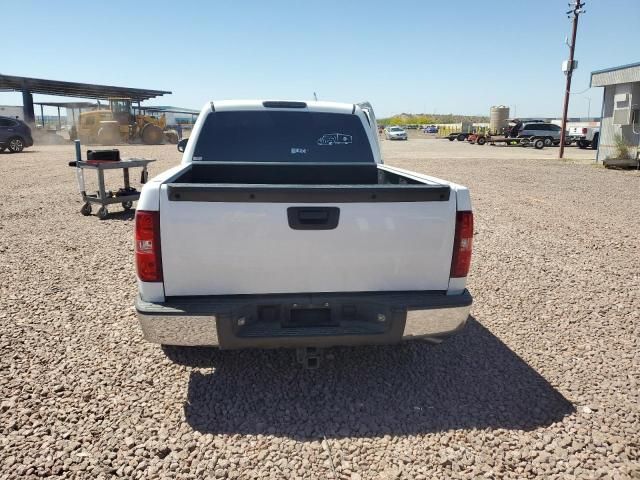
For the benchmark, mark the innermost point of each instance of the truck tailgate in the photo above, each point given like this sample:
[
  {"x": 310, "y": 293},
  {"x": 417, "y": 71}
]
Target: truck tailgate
[{"x": 227, "y": 248}]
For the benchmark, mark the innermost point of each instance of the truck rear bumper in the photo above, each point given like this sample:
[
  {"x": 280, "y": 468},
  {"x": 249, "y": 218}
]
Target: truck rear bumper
[{"x": 303, "y": 320}]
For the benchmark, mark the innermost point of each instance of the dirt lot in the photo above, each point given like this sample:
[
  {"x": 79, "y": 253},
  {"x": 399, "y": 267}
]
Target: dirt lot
[{"x": 543, "y": 382}]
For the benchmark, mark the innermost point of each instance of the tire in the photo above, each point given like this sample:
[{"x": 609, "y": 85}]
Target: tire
[
  {"x": 152, "y": 134},
  {"x": 127, "y": 205},
  {"x": 481, "y": 140},
  {"x": 171, "y": 136},
  {"x": 15, "y": 145},
  {"x": 103, "y": 213},
  {"x": 582, "y": 144},
  {"x": 1, "y": 149},
  {"x": 548, "y": 141},
  {"x": 594, "y": 142},
  {"x": 461, "y": 138},
  {"x": 86, "y": 209},
  {"x": 451, "y": 139},
  {"x": 538, "y": 143}
]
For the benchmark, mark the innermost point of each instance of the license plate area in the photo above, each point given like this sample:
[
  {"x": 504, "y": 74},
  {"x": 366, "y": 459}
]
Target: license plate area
[
  {"x": 324, "y": 317},
  {"x": 310, "y": 316}
]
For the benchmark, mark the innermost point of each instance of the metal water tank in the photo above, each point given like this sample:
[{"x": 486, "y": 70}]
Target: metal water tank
[{"x": 498, "y": 118}]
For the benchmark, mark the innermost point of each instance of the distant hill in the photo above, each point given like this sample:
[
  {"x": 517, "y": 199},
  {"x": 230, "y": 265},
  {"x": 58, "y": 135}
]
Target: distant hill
[{"x": 427, "y": 118}]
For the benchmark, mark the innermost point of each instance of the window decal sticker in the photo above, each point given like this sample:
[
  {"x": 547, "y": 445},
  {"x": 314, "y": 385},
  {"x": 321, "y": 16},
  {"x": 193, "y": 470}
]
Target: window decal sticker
[{"x": 335, "y": 139}]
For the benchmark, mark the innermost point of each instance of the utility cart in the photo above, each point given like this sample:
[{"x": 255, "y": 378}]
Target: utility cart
[{"x": 125, "y": 195}]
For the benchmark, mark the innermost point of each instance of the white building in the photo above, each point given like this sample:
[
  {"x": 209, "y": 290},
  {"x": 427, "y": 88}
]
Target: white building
[
  {"x": 12, "y": 111},
  {"x": 620, "y": 108}
]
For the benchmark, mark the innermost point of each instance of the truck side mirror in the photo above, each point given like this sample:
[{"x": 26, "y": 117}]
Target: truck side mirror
[{"x": 182, "y": 144}]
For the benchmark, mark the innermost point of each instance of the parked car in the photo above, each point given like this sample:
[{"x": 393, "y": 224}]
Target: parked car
[
  {"x": 268, "y": 238},
  {"x": 15, "y": 135},
  {"x": 585, "y": 137},
  {"x": 431, "y": 129},
  {"x": 395, "y": 133},
  {"x": 549, "y": 132}
]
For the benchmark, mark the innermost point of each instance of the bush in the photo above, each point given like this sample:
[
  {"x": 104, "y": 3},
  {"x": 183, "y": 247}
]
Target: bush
[{"x": 623, "y": 149}]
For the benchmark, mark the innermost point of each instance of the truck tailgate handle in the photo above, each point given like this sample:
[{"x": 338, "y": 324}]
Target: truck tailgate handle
[{"x": 313, "y": 218}]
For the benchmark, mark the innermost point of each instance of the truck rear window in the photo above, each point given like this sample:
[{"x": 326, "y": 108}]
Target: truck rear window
[{"x": 282, "y": 136}]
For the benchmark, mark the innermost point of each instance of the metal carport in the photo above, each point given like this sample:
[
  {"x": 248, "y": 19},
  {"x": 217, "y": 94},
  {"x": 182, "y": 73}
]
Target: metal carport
[{"x": 28, "y": 86}]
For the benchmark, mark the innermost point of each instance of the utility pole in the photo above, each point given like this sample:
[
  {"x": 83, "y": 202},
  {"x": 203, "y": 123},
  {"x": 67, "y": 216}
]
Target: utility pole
[{"x": 576, "y": 10}]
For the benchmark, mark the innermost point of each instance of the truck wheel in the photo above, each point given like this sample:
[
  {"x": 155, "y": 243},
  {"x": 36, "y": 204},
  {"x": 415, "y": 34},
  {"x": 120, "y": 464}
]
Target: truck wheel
[
  {"x": 582, "y": 144},
  {"x": 538, "y": 143},
  {"x": 103, "y": 213},
  {"x": 481, "y": 141},
  {"x": 548, "y": 141},
  {"x": 461, "y": 138},
  {"x": 594, "y": 142},
  {"x": 86, "y": 209}
]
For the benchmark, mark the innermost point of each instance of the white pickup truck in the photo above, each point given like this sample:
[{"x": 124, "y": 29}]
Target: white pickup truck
[
  {"x": 282, "y": 227},
  {"x": 584, "y": 136}
]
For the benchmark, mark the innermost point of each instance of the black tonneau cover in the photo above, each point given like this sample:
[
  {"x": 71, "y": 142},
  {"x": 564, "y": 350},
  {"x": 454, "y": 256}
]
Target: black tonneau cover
[{"x": 289, "y": 182}]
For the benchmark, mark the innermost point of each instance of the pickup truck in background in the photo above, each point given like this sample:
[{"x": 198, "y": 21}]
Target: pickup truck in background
[
  {"x": 584, "y": 137},
  {"x": 268, "y": 235}
]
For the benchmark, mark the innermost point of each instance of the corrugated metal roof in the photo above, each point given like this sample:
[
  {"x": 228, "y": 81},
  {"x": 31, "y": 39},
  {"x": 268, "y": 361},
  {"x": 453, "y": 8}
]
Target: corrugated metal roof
[
  {"x": 10, "y": 83},
  {"x": 615, "y": 75},
  {"x": 168, "y": 109}
]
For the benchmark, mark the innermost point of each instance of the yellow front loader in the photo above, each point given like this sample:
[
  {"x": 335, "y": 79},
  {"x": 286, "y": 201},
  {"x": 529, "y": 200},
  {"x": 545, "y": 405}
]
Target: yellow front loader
[{"x": 119, "y": 124}]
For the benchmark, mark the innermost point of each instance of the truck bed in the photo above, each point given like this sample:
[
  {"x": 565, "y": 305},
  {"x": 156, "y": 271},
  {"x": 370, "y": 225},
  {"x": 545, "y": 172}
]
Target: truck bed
[{"x": 299, "y": 182}]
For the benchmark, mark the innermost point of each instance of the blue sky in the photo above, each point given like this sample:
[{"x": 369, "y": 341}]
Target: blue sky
[{"x": 403, "y": 56}]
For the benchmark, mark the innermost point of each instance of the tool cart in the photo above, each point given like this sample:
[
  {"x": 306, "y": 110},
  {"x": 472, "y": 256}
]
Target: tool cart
[{"x": 100, "y": 161}]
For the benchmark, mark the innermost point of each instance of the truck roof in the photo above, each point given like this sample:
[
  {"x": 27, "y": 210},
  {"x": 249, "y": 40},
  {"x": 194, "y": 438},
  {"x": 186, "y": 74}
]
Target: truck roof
[{"x": 317, "y": 106}]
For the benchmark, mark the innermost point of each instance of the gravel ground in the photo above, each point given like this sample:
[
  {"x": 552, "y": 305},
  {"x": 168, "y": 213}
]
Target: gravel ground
[{"x": 543, "y": 382}]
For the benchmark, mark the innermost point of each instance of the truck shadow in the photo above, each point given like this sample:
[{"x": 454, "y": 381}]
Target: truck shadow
[{"x": 472, "y": 380}]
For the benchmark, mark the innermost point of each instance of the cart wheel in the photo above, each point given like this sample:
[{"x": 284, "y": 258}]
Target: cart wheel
[
  {"x": 86, "y": 209},
  {"x": 548, "y": 141},
  {"x": 481, "y": 141},
  {"x": 538, "y": 143},
  {"x": 127, "y": 205},
  {"x": 461, "y": 137},
  {"x": 103, "y": 213}
]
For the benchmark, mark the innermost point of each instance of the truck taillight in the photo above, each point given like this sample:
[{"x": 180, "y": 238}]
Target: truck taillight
[
  {"x": 584, "y": 131},
  {"x": 462, "y": 245},
  {"x": 148, "y": 256}
]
